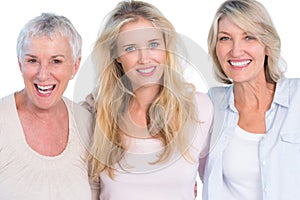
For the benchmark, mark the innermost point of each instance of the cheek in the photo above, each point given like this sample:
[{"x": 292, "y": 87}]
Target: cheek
[
  {"x": 129, "y": 60},
  {"x": 127, "y": 63},
  {"x": 160, "y": 57},
  {"x": 220, "y": 52},
  {"x": 259, "y": 54},
  {"x": 28, "y": 72},
  {"x": 220, "y": 58}
]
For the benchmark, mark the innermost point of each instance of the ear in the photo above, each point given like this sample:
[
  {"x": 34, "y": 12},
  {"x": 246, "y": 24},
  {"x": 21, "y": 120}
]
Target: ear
[
  {"x": 20, "y": 64},
  {"x": 118, "y": 60},
  {"x": 76, "y": 67},
  {"x": 266, "y": 51}
]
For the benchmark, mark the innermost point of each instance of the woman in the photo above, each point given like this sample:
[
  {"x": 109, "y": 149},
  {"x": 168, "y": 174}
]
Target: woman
[
  {"x": 151, "y": 127},
  {"x": 41, "y": 151},
  {"x": 255, "y": 155}
]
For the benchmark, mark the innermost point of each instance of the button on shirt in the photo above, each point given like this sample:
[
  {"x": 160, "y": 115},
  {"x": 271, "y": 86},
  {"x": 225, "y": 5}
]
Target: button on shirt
[{"x": 279, "y": 150}]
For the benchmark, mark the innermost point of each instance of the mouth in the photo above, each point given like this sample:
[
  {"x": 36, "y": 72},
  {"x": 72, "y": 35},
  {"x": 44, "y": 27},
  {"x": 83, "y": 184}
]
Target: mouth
[
  {"x": 239, "y": 64},
  {"x": 147, "y": 70},
  {"x": 44, "y": 89}
]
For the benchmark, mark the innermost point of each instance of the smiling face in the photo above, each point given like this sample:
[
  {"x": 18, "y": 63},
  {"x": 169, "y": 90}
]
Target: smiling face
[
  {"x": 47, "y": 66},
  {"x": 142, "y": 53},
  {"x": 240, "y": 53}
]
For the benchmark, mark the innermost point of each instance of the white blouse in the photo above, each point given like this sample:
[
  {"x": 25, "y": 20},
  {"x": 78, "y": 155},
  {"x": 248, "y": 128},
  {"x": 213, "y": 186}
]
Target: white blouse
[
  {"x": 25, "y": 174},
  {"x": 174, "y": 179}
]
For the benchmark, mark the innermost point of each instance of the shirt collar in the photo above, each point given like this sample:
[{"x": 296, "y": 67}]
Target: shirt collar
[
  {"x": 282, "y": 92},
  {"x": 281, "y": 95}
]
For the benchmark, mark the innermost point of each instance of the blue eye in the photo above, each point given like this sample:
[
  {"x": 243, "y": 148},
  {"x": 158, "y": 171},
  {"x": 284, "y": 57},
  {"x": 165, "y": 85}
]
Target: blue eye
[
  {"x": 154, "y": 44},
  {"x": 130, "y": 48},
  {"x": 249, "y": 37},
  {"x": 224, "y": 38}
]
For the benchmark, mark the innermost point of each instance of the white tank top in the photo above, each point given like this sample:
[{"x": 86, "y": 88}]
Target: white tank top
[{"x": 241, "y": 173}]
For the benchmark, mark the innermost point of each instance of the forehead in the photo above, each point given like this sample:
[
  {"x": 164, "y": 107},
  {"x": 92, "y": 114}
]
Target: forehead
[
  {"x": 46, "y": 46},
  {"x": 139, "y": 31},
  {"x": 226, "y": 24},
  {"x": 56, "y": 42}
]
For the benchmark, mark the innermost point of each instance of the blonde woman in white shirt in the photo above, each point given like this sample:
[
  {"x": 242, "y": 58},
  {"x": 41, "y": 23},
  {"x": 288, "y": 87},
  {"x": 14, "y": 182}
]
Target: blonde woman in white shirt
[{"x": 152, "y": 128}]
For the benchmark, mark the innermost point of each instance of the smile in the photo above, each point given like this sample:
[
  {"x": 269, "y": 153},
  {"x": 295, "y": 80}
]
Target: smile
[
  {"x": 47, "y": 89},
  {"x": 239, "y": 63},
  {"x": 146, "y": 70}
]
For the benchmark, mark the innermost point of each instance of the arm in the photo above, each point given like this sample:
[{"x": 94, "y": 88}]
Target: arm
[
  {"x": 205, "y": 115},
  {"x": 89, "y": 104}
]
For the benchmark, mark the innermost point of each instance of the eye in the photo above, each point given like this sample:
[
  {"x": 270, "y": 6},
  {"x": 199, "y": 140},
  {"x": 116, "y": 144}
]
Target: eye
[
  {"x": 249, "y": 37},
  {"x": 130, "y": 48},
  {"x": 224, "y": 38},
  {"x": 154, "y": 44},
  {"x": 56, "y": 61},
  {"x": 32, "y": 60}
]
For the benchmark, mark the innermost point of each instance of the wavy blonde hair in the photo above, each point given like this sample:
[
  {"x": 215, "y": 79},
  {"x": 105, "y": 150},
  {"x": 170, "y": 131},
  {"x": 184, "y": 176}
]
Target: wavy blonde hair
[
  {"x": 176, "y": 97},
  {"x": 252, "y": 17}
]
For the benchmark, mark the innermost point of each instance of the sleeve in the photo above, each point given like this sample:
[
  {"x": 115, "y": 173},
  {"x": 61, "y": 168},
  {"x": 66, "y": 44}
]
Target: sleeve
[
  {"x": 205, "y": 114},
  {"x": 1, "y": 139},
  {"x": 2, "y": 121}
]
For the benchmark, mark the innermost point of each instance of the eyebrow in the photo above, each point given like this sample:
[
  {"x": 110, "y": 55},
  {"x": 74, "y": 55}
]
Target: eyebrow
[
  {"x": 128, "y": 45},
  {"x": 151, "y": 40},
  {"x": 226, "y": 33},
  {"x": 155, "y": 39},
  {"x": 55, "y": 56},
  {"x": 223, "y": 32}
]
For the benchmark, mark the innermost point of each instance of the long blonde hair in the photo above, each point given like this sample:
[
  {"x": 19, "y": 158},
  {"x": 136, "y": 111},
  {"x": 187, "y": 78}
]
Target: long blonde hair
[{"x": 176, "y": 97}]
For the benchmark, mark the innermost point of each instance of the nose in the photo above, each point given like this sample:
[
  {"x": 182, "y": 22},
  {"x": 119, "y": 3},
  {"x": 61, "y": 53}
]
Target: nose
[
  {"x": 43, "y": 71},
  {"x": 237, "y": 49},
  {"x": 144, "y": 55}
]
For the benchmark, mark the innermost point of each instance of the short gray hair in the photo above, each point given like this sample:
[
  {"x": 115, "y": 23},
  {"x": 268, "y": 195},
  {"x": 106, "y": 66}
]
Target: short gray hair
[{"x": 48, "y": 24}]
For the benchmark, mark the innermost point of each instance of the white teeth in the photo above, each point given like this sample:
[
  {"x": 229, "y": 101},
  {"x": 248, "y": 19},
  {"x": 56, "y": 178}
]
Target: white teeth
[
  {"x": 240, "y": 64},
  {"x": 40, "y": 87},
  {"x": 146, "y": 71},
  {"x": 45, "y": 89},
  {"x": 44, "y": 92}
]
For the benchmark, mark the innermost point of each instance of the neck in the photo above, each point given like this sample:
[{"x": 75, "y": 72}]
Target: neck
[
  {"x": 144, "y": 97},
  {"x": 24, "y": 104},
  {"x": 258, "y": 95}
]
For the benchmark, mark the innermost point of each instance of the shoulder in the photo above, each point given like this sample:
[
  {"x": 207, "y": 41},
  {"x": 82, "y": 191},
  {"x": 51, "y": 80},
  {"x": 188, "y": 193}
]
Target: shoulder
[
  {"x": 83, "y": 119},
  {"x": 203, "y": 100},
  {"x": 7, "y": 107},
  {"x": 289, "y": 86},
  {"x": 78, "y": 110},
  {"x": 293, "y": 82},
  {"x": 219, "y": 91},
  {"x": 204, "y": 106},
  {"x": 7, "y": 104},
  {"x": 220, "y": 95},
  {"x": 6, "y": 100}
]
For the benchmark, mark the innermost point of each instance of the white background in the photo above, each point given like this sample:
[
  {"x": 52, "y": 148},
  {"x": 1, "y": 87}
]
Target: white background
[{"x": 191, "y": 18}]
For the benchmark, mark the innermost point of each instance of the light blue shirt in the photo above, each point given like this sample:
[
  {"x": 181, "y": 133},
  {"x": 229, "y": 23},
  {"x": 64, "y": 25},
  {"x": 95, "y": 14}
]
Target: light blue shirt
[{"x": 279, "y": 150}]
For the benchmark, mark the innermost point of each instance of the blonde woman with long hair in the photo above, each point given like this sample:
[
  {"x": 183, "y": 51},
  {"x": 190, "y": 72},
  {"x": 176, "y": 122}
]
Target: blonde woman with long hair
[{"x": 151, "y": 126}]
